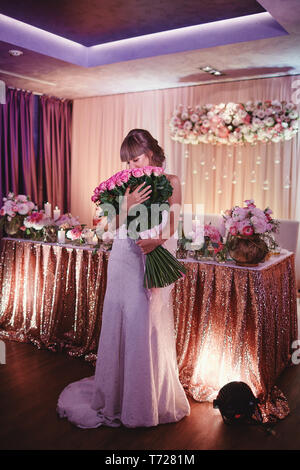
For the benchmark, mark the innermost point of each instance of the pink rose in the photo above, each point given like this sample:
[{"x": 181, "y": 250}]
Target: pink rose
[
  {"x": 248, "y": 230},
  {"x": 222, "y": 132},
  {"x": 250, "y": 203},
  {"x": 75, "y": 233},
  {"x": 137, "y": 172},
  {"x": 158, "y": 170},
  {"x": 125, "y": 175},
  {"x": 2, "y": 212},
  {"x": 102, "y": 187},
  {"x": 148, "y": 170},
  {"x": 119, "y": 181},
  {"x": 110, "y": 184},
  {"x": 23, "y": 209}
]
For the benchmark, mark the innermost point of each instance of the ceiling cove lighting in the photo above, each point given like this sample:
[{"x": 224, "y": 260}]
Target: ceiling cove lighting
[{"x": 203, "y": 36}]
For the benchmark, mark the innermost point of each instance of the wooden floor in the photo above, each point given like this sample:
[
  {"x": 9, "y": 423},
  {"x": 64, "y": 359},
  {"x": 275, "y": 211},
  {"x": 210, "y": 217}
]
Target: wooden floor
[{"x": 32, "y": 379}]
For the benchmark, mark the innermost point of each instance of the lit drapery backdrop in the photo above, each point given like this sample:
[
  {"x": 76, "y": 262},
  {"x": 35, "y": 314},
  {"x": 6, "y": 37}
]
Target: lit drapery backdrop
[
  {"x": 35, "y": 147},
  {"x": 18, "y": 164},
  {"x": 268, "y": 173},
  {"x": 55, "y": 118}
]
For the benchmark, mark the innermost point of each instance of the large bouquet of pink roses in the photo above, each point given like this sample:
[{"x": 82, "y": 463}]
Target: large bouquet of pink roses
[{"x": 162, "y": 268}]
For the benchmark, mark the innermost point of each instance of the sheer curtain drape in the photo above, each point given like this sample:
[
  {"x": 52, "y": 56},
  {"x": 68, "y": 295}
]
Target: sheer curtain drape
[
  {"x": 268, "y": 173},
  {"x": 18, "y": 164}
]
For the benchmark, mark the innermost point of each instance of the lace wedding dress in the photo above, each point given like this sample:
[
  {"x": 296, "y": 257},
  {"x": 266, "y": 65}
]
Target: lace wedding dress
[{"x": 136, "y": 379}]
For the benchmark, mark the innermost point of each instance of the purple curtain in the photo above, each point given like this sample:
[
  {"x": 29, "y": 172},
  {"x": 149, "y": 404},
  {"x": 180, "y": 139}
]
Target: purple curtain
[
  {"x": 54, "y": 169},
  {"x": 18, "y": 163}
]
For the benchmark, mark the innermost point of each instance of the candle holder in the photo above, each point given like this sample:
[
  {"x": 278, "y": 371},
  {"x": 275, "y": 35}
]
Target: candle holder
[
  {"x": 199, "y": 255},
  {"x": 50, "y": 234},
  {"x": 191, "y": 254}
]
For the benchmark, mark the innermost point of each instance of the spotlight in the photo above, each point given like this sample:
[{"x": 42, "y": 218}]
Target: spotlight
[
  {"x": 237, "y": 403},
  {"x": 207, "y": 68},
  {"x": 212, "y": 71}
]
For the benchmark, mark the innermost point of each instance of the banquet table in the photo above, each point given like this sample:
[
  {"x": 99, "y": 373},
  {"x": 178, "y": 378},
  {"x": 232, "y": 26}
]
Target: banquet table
[{"x": 231, "y": 323}]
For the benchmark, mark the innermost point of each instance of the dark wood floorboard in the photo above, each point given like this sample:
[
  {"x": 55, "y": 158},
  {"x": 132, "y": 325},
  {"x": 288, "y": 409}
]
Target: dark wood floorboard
[{"x": 32, "y": 379}]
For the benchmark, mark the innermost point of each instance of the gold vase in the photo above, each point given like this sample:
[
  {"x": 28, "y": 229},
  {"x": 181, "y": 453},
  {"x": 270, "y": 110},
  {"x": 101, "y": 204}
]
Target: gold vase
[{"x": 247, "y": 250}]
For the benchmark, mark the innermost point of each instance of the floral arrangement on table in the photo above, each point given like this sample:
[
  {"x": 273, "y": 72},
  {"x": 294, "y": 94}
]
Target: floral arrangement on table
[
  {"x": 205, "y": 241},
  {"x": 35, "y": 224},
  {"x": 14, "y": 211},
  {"x": 250, "y": 228},
  {"x": 235, "y": 123},
  {"x": 67, "y": 221},
  {"x": 161, "y": 267},
  {"x": 250, "y": 220}
]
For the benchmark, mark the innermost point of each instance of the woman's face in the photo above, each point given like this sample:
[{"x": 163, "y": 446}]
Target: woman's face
[{"x": 140, "y": 161}]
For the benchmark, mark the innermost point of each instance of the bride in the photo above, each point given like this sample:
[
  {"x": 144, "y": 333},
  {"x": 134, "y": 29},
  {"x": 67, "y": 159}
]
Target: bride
[{"x": 136, "y": 380}]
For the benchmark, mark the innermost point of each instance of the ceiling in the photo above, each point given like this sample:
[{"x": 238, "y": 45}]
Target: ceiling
[{"x": 173, "y": 40}]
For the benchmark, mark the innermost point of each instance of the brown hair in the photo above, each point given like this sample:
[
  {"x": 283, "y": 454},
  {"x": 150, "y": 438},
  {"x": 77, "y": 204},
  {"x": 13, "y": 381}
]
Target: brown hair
[{"x": 139, "y": 141}]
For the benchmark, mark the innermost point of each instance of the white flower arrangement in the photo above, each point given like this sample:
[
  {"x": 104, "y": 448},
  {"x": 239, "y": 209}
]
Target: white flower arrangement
[{"x": 235, "y": 123}]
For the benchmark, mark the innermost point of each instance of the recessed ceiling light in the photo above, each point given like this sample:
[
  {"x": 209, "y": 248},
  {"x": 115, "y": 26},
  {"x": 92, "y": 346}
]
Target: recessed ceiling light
[
  {"x": 209, "y": 69},
  {"x": 15, "y": 52},
  {"x": 206, "y": 69}
]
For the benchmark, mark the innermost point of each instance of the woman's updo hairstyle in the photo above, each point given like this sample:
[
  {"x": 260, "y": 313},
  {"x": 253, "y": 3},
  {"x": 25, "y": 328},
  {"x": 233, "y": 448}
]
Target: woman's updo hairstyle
[{"x": 139, "y": 141}]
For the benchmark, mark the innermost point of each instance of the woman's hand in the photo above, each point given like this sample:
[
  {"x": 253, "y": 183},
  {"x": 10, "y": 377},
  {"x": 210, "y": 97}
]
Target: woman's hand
[
  {"x": 138, "y": 196},
  {"x": 148, "y": 245}
]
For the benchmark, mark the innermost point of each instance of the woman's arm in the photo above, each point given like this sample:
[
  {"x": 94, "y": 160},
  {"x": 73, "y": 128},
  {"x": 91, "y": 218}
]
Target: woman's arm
[{"x": 138, "y": 196}]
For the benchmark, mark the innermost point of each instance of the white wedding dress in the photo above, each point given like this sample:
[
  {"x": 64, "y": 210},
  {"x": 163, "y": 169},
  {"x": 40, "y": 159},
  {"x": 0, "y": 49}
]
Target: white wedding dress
[{"x": 136, "y": 379}]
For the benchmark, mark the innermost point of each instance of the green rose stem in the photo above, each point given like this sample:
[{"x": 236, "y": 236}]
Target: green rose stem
[
  {"x": 154, "y": 272},
  {"x": 162, "y": 268}
]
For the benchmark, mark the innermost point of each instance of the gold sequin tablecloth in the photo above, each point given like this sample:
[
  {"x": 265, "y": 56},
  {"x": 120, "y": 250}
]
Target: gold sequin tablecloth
[
  {"x": 52, "y": 295},
  {"x": 237, "y": 324},
  {"x": 231, "y": 323}
]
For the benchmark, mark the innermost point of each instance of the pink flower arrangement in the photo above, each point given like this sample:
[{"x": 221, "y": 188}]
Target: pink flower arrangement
[
  {"x": 249, "y": 220},
  {"x": 36, "y": 221},
  {"x": 66, "y": 221},
  {"x": 212, "y": 233},
  {"x": 235, "y": 123},
  {"x": 75, "y": 233},
  {"x": 16, "y": 205}
]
